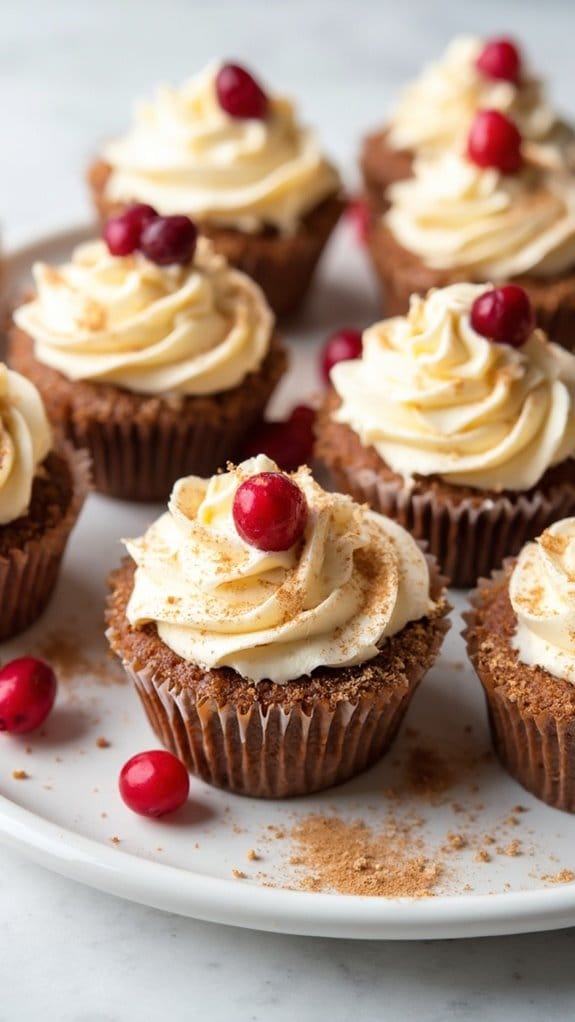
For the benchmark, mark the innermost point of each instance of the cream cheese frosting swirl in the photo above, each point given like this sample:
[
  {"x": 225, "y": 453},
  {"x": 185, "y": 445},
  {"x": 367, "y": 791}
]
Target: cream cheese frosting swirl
[
  {"x": 187, "y": 330},
  {"x": 436, "y": 398},
  {"x": 542, "y": 593},
  {"x": 331, "y": 600},
  {"x": 25, "y": 440},
  {"x": 455, "y": 215},
  {"x": 435, "y": 111},
  {"x": 185, "y": 154}
]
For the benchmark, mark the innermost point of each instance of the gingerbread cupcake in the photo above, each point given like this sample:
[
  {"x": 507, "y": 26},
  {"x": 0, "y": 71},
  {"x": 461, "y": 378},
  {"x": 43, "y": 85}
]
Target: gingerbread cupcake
[
  {"x": 498, "y": 210},
  {"x": 42, "y": 490},
  {"x": 158, "y": 363},
  {"x": 458, "y": 421},
  {"x": 435, "y": 112},
  {"x": 520, "y": 637},
  {"x": 234, "y": 158},
  {"x": 275, "y": 633}
]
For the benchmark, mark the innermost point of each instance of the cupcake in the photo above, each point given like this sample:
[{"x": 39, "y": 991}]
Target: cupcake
[
  {"x": 236, "y": 160},
  {"x": 501, "y": 210},
  {"x": 521, "y": 640},
  {"x": 158, "y": 368},
  {"x": 458, "y": 421},
  {"x": 436, "y": 111},
  {"x": 275, "y": 633},
  {"x": 42, "y": 490}
]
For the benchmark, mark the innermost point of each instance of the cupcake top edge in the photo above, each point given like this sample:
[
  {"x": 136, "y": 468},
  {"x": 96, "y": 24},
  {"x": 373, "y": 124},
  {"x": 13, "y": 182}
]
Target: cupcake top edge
[
  {"x": 186, "y": 152},
  {"x": 349, "y": 580},
  {"x": 436, "y": 397},
  {"x": 25, "y": 441},
  {"x": 436, "y": 110},
  {"x": 197, "y": 328},
  {"x": 542, "y": 594}
]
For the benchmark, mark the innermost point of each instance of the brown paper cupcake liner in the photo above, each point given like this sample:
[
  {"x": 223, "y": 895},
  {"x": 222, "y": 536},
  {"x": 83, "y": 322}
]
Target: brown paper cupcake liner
[
  {"x": 467, "y": 539},
  {"x": 277, "y": 751},
  {"x": 283, "y": 265},
  {"x": 140, "y": 461},
  {"x": 29, "y": 573},
  {"x": 538, "y": 750},
  {"x": 140, "y": 444}
]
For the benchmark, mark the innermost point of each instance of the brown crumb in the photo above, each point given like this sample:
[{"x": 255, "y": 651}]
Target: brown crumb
[
  {"x": 115, "y": 840},
  {"x": 482, "y": 856},
  {"x": 252, "y": 855},
  {"x": 456, "y": 841},
  {"x": 564, "y": 876},
  {"x": 428, "y": 773},
  {"x": 102, "y": 743},
  {"x": 104, "y": 816},
  {"x": 20, "y": 775},
  {"x": 520, "y": 809},
  {"x": 238, "y": 874},
  {"x": 512, "y": 849}
]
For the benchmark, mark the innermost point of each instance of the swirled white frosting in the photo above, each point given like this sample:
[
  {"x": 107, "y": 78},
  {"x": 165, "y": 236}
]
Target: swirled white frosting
[
  {"x": 330, "y": 600},
  {"x": 435, "y": 111},
  {"x": 542, "y": 593},
  {"x": 185, "y": 154},
  {"x": 455, "y": 215},
  {"x": 434, "y": 397},
  {"x": 190, "y": 330},
  {"x": 25, "y": 440}
]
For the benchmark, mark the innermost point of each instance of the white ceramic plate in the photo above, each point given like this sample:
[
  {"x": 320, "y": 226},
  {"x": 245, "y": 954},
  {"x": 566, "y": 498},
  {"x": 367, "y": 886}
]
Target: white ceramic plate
[{"x": 68, "y": 816}]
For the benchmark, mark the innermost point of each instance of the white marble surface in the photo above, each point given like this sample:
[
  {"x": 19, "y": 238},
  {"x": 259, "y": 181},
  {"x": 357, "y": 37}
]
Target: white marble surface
[{"x": 68, "y": 72}]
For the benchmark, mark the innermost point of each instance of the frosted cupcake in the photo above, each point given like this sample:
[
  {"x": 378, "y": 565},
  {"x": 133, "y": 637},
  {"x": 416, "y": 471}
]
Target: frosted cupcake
[
  {"x": 275, "y": 633},
  {"x": 520, "y": 636},
  {"x": 501, "y": 210},
  {"x": 42, "y": 490},
  {"x": 436, "y": 111},
  {"x": 157, "y": 367},
  {"x": 458, "y": 421},
  {"x": 221, "y": 150}
]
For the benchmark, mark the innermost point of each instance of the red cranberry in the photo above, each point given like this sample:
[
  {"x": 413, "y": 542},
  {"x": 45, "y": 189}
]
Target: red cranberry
[
  {"x": 122, "y": 233},
  {"x": 340, "y": 347},
  {"x": 27, "y": 693},
  {"x": 169, "y": 239},
  {"x": 500, "y": 59},
  {"x": 358, "y": 214},
  {"x": 154, "y": 783},
  {"x": 504, "y": 314},
  {"x": 239, "y": 94},
  {"x": 270, "y": 512},
  {"x": 494, "y": 141},
  {"x": 288, "y": 443}
]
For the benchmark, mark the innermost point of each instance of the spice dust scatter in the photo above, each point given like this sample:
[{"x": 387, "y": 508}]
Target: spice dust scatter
[
  {"x": 350, "y": 858},
  {"x": 60, "y": 649}
]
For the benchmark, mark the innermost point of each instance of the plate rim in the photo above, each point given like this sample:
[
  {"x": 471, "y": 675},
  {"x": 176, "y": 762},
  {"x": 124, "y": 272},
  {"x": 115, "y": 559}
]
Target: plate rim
[{"x": 247, "y": 904}]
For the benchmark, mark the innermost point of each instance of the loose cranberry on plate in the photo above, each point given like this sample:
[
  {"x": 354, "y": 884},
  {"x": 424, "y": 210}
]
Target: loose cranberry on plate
[
  {"x": 154, "y": 783},
  {"x": 494, "y": 141},
  {"x": 169, "y": 239},
  {"x": 500, "y": 59},
  {"x": 122, "y": 233},
  {"x": 27, "y": 693},
  {"x": 270, "y": 511},
  {"x": 504, "y": 314},
  {"x": 288, "y": 442},
  {"x": 239, "y": 94},
  {"x": 340, "y": 347}
]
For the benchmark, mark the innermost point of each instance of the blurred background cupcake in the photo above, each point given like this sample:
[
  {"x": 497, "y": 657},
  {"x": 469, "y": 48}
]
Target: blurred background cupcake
[
  {"x": 458, "y": 420},
  {"x": 158, "y": 360},
  {"x": 235, "y": 158}
]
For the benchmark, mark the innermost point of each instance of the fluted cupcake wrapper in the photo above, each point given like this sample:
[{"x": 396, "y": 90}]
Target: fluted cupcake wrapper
[
  {"x": 467, "y": 539},
  {"x": 538, "y": 750},
  {"x": 29, "y": 573},
  {"x": 141, "y": 461}
]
